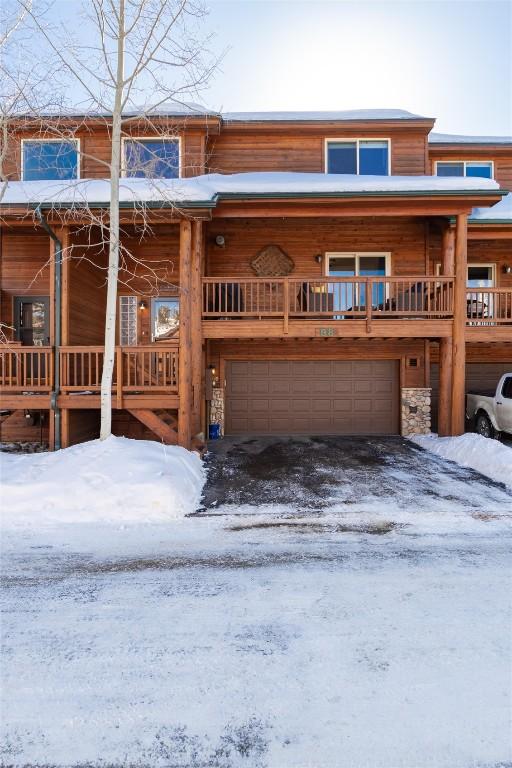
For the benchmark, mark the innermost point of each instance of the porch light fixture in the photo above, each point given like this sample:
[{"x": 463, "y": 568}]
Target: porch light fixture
[
  {"x": 220, "y": 241},
  {"x": 142, "y": 305},
  {"x": 319, "y": 258},
  {"x": 507, "y": 269}
]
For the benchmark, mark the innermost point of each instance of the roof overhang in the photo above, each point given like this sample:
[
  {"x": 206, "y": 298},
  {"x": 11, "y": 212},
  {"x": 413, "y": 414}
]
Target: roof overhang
[{"x": 257, "y": 204}]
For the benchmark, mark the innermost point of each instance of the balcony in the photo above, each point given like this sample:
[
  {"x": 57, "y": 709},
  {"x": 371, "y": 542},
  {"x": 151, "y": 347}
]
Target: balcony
[
  {"x": 143, "y": 376},
  {"x": 334, "y": 306},
  {"x": 489, "y": 314}
]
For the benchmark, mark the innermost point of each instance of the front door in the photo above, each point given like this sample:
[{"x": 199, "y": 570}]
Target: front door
[
  {"x": 32, "y": 320},
  {"x": 32, "y": 328}
]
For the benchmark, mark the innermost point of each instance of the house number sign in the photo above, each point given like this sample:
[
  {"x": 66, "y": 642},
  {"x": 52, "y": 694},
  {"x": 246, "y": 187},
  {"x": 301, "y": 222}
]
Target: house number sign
[{"x": 327, "y": 331}]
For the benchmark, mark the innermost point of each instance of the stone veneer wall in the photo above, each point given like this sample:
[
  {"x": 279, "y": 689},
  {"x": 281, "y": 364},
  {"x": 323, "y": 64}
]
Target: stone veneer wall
[
  {"x": 217, "y": 408},
  {"x": 415, "y": 410}
]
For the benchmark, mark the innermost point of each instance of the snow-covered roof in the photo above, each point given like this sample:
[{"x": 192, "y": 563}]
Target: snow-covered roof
[
  {"x": 328, "y": 116},
  {"x": 500, "y": 213},
  {"x": 166, "y": 109},
  {"x": 209, "y": 188},
  {"x": 452, "y": 138}
]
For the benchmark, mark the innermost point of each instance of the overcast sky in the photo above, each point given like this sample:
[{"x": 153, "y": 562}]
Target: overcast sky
[{"x": 450, "y": 60}]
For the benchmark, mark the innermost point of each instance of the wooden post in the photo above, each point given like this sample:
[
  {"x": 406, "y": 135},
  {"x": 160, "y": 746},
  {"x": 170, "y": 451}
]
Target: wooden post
[
  {"x": 119, "y": 369},
  {"x": 459, "y": 327},
  {"x": 185, "y": 361},
  {"x": 196, "y": 325},
  {"x": 448, "y": 252},
  {"x": 444, "y": 408}
]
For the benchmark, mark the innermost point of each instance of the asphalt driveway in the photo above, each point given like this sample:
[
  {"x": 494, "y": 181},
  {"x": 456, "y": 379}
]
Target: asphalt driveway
[{"x": 315, "y": 474}]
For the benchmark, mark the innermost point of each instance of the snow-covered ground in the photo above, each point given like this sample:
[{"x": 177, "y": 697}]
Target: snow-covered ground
[
  {"x": 117, "y": 480},
  {"x": 490, "y": 457},
  {"x": 343, "y": 639}
]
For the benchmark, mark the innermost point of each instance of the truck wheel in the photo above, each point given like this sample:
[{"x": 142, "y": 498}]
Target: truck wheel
[{"x": 484, "y": 426}]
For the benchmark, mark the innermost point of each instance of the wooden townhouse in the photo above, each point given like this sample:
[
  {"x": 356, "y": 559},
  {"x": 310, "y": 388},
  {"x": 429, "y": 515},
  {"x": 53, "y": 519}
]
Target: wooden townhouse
[{"x": 281, "y": 273}]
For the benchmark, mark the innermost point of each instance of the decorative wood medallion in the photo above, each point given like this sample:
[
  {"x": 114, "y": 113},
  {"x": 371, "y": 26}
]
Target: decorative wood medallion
[{"x": 272, "y": 261}]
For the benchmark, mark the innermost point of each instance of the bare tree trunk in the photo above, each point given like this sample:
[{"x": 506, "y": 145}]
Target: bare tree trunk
[{"x": 113, "y": 258}]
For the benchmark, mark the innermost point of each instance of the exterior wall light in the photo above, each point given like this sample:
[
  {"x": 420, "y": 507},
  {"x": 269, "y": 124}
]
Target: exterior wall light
[
  {"x": 507, "y": 269},
  {"x": 220, "y": 241},
  {"x": 319, "y": 258},
  {"x": 142, "y": 305}
]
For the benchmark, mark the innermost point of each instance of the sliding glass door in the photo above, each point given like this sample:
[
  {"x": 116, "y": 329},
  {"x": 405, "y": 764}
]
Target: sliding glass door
[{"x": 350, "y": 295}]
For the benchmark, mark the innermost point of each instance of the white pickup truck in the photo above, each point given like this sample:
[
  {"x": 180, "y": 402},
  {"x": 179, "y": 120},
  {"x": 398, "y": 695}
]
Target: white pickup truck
[{"x": 491, "y": 411}]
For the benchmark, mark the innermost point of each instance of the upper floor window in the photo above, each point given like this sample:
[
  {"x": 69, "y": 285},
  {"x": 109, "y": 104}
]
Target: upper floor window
[
  {"x": 358, "y": 156},
  {"x": 52, "y": 159},
  {"x": 152, "y": 158},
  {"x": 484, "y": 169}
]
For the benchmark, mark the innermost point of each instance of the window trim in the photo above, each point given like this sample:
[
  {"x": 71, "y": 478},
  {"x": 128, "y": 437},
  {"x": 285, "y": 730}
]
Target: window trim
[
  {"x": 357, "y": 140},
  {"x": 465, "y": 163},
  {"x": 141, "y": 140},
  {"x": 357, "y": 254},
  {"x": 119, "y": 298},
  {"x": 76, "y": 140},
  {"x": 161, "y": 297},
  {"x": 492, "y": 264}
]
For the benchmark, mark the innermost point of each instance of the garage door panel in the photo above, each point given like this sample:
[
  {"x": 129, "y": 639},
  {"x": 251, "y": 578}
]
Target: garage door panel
[
  {"x": 280, "y": 368},
  {"x": 362, "y": 368},
  {"x": 381, "y": 386},
  {"x": 342, "y": 386},
  {"x": 312, "y": 397},
  {"x": 342, "y": 368},
  {"x": 321, "y": 405},
  {"x": 281, "y": 386},
  {"x": 342, "y": 406},
  {"x": 320, "y": 386}
]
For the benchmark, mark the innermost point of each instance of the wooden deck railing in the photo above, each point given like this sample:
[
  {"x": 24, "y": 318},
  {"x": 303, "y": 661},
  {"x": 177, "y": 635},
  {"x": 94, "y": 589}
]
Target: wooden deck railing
[
  {"x": 333, "y": 297},
  {"x": 137, "y": 369},
  {"x": 489, "y": 306},
  {"x": 26, "y": 369}
]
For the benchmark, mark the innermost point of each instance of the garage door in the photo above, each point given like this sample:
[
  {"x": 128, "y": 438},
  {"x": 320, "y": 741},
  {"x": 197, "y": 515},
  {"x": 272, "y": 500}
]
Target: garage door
[
  {"x": 479, "y": 376},
  {"x": 348, "y": 397}
]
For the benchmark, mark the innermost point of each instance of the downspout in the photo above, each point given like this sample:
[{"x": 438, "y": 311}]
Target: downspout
[{"x": 57, "y": 340}]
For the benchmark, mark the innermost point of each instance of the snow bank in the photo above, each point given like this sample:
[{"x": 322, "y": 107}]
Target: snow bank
[
  {"x": 502, "y": 211},
  {"x": 115, "y": 481},
  {"x": 207, "y": 189},
  {"x": 489, "y": 457}
]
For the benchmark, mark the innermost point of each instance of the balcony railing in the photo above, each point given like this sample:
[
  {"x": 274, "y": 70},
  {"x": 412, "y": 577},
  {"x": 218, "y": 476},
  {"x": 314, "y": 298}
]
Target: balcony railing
[
  {"x": 26, "y": 369},
  {"x": 337, "y": 298},
  {"x": 144, "y": 369},
  {"x": 489, "y": 306}
]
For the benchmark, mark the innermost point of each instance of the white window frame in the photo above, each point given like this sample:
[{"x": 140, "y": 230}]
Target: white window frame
[
  {"x": 141, "y": 140},
  {"x": 174, "y": 296},
  {"x": 357, "y": 140},
  {"x": 136, "y": 299},
  {"x": 490, "y": 264},
  {"x": 492, "y": 267},
  {"x": 357, "y": 255},
  {"x": 48, "y": 141},
  {"x": 465, "y": 163}
]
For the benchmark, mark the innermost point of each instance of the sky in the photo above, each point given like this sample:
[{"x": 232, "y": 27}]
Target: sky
[{"x": 451, "y": 60}]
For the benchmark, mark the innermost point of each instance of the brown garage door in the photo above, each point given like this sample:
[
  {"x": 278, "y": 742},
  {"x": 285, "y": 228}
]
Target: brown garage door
[
  {"x": 479, "y": 376},
  {"x": 348, "y": 397}
]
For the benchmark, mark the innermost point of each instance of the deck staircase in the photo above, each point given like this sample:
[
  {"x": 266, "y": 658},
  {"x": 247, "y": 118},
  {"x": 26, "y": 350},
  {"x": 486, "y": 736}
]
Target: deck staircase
[{"x": 161, "y": 422}]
